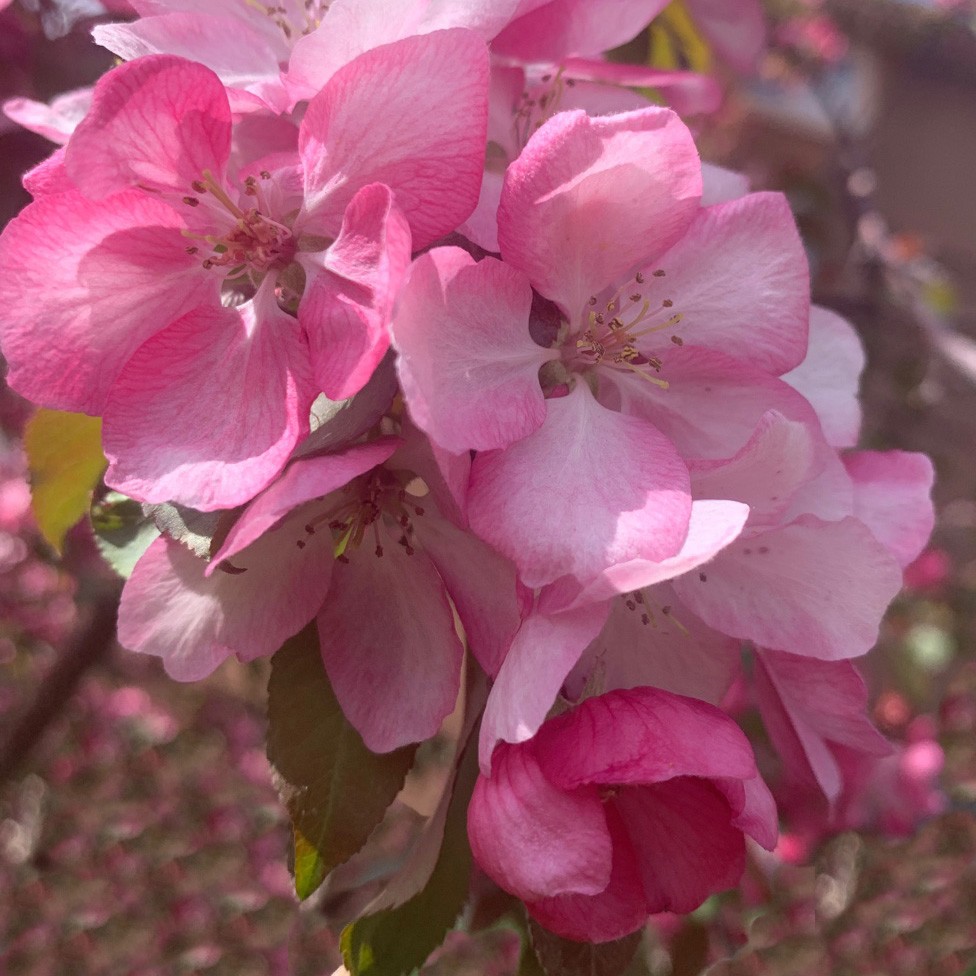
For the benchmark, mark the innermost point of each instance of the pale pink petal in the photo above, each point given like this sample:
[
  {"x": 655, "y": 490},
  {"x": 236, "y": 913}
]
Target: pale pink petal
[
  {"x": 533, "y": 839},
  {"x": 239, "y": 53},
  {"x": 828, "y": 494},
  {"x": 389, "y": 643},
  {"x": 353, "y": 27},
  {"x": 829, "y": 375},
  {"x": 821, "y": 702},
  {"x": 720, "y": 185},
  {"x": 660, "y": 643},
  {"x": 618, "y": 910},
  {"x": 893, "y": 498},
  {"x": 170, "y": 610},
  {"x": 589, "y": 489},
  {"x": 302, "y": 482},
  {"x": 564, "y": 27},
  {"x": 543, "y": 653},
  {"x": 713, "y": 525},
  {"x": 158, "y": 122},
  {"x": 590, "y": 200},
  {"x": 55, "y": 121},
  {"x": 712, "y": 405},
  {"x": 481, "y": 584},
  {"x": 482, "y": 226},
  {"x": 740, "y": 281},
  {"x": 431, "y": 92},
  {"x": 468, "y": 367},
  {"x": 779, "y": 459},
  {"x": 207, "y": 411},
  {"x": 350, "y": 291},
  {"x": 814, "y": 588},
  {"x": 641, "y": 735},
  {"x": 736, "y": 31},
  {"x": 686, "y": 846},
  {"x": 84, "y": 285}
]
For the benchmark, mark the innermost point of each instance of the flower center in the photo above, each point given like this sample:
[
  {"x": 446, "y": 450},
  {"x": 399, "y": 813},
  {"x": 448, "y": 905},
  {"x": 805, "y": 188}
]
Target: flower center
[
  {"x": 359, "y": 507},
  {"x": 298, "y": 18},
  {"x": 253, "y": 244},
  {"x": 609, "y": 335}
]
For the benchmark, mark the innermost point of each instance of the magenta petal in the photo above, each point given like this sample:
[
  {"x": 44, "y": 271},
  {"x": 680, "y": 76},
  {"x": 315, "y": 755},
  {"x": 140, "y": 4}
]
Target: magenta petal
[
  {"x": 814, "y": 588},
  {"x": 562, "y": 27},
  {"x": 170, "y": 610},
  {"x": 411, "y": 114},
  {"x": 535, "y": 840},
  {"x": 302, "y": 482},
  {"x": 892, "y": 497},
  {"x": 754, "y": 808},
  {"x": 618, "y": 910},
  {"x": 348, "y": 301},
  {"x": 389, "y": 644},
  {"x": 686, "y": 846},
  {"x": 84, "y": 285},
  {"x": 590, "y": 200},
  {"x": 468, "y": 366},
  {"x": 159, "y": 122},
  {"x": 611, "y": 488},
  {"x": 828, "y": 377},
  {"x": 740, "y": 281},
  {"x": 544, "y": 651},
  {"x": 642, "y": 735},
  {"x": 207, "y": 411}
]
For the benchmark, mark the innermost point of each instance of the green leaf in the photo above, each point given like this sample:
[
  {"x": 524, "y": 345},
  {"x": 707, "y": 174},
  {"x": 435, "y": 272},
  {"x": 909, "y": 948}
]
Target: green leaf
[
  {"x": 123, "y": 531},
  {"x": 335, "y": 789},
  {"x": 64, "y": 455},
  {"x": 560, "y": 957},
  {"x": 396, "y": 941}
]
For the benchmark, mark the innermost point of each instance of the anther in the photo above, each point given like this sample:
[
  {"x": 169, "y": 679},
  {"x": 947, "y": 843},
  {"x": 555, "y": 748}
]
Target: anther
[
  {"x": 659, "y": 273},
  {"x": 636, "y": 297},
  {"x": 639, "y": 277},
  {"x": 192, "y": 249},
  {"x": 667, "y": 303},
  {"x": 645, "y": 620},
  {"x": 378, "y": 550},
  {"x": 300, "y": 543},
  {"x": 677, "y": 340},
  {"x": 265, "y": 175},
  {"x": 703, "y": 577},
  {"x": 191, "y": 201}
]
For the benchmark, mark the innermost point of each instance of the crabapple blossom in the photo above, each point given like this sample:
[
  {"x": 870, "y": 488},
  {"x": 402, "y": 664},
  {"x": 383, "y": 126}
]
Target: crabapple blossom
[{"x": 632, "y": 803}]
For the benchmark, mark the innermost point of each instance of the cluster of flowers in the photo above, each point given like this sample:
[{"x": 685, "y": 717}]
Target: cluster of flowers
[{"x": 412, "y": 321}]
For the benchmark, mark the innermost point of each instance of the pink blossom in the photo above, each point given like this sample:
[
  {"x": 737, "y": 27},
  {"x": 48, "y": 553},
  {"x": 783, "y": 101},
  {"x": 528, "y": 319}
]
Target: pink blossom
[
  {"x": 634, "y": 802},
  {"x": 136, "y": 265},
  {"x": 334, "y": 539}
]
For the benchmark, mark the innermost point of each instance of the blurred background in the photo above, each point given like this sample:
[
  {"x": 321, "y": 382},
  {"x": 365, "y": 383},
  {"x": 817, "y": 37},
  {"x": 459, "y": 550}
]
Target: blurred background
[{"x": 139, "y": 829}]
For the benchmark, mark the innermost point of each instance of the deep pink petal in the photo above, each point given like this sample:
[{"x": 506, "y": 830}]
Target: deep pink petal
[
  {"x": 814, "y": 588},
  {"x": 158, "y": 122},
  {"x": 170, "y": 610},
  {"x": 686, "y": 846},
  {"x": 389, "y": 643},
  {"x": 350, "y": 291},
  {"x": 754, "y": 809},
  {"x": 713, "y": 525},
  {"x": 641, "y": 735},
  {"x": 481, "y": 584},
  {"x": 207, "y": 411},
  {"x": 84, "y": 285},
  {"x": 828, "y": 377},
  {"x": 48, "y": 176},
  {"x": 302, "y": 482},
  {"x": 618, "y": 910},
  {"x": 563, "y": 27},
  {"x": 740, "y": 281},
  {"x": 412, "y": 115},
  {"x": 658, "y": 642},
  {"x": 533, "y": 839},
  {"x": 893, "y": 498},
  {"x": 590, "y": 200},
  {"x": 468, "y": 366},
  {"x": 543, "y": 653}
]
